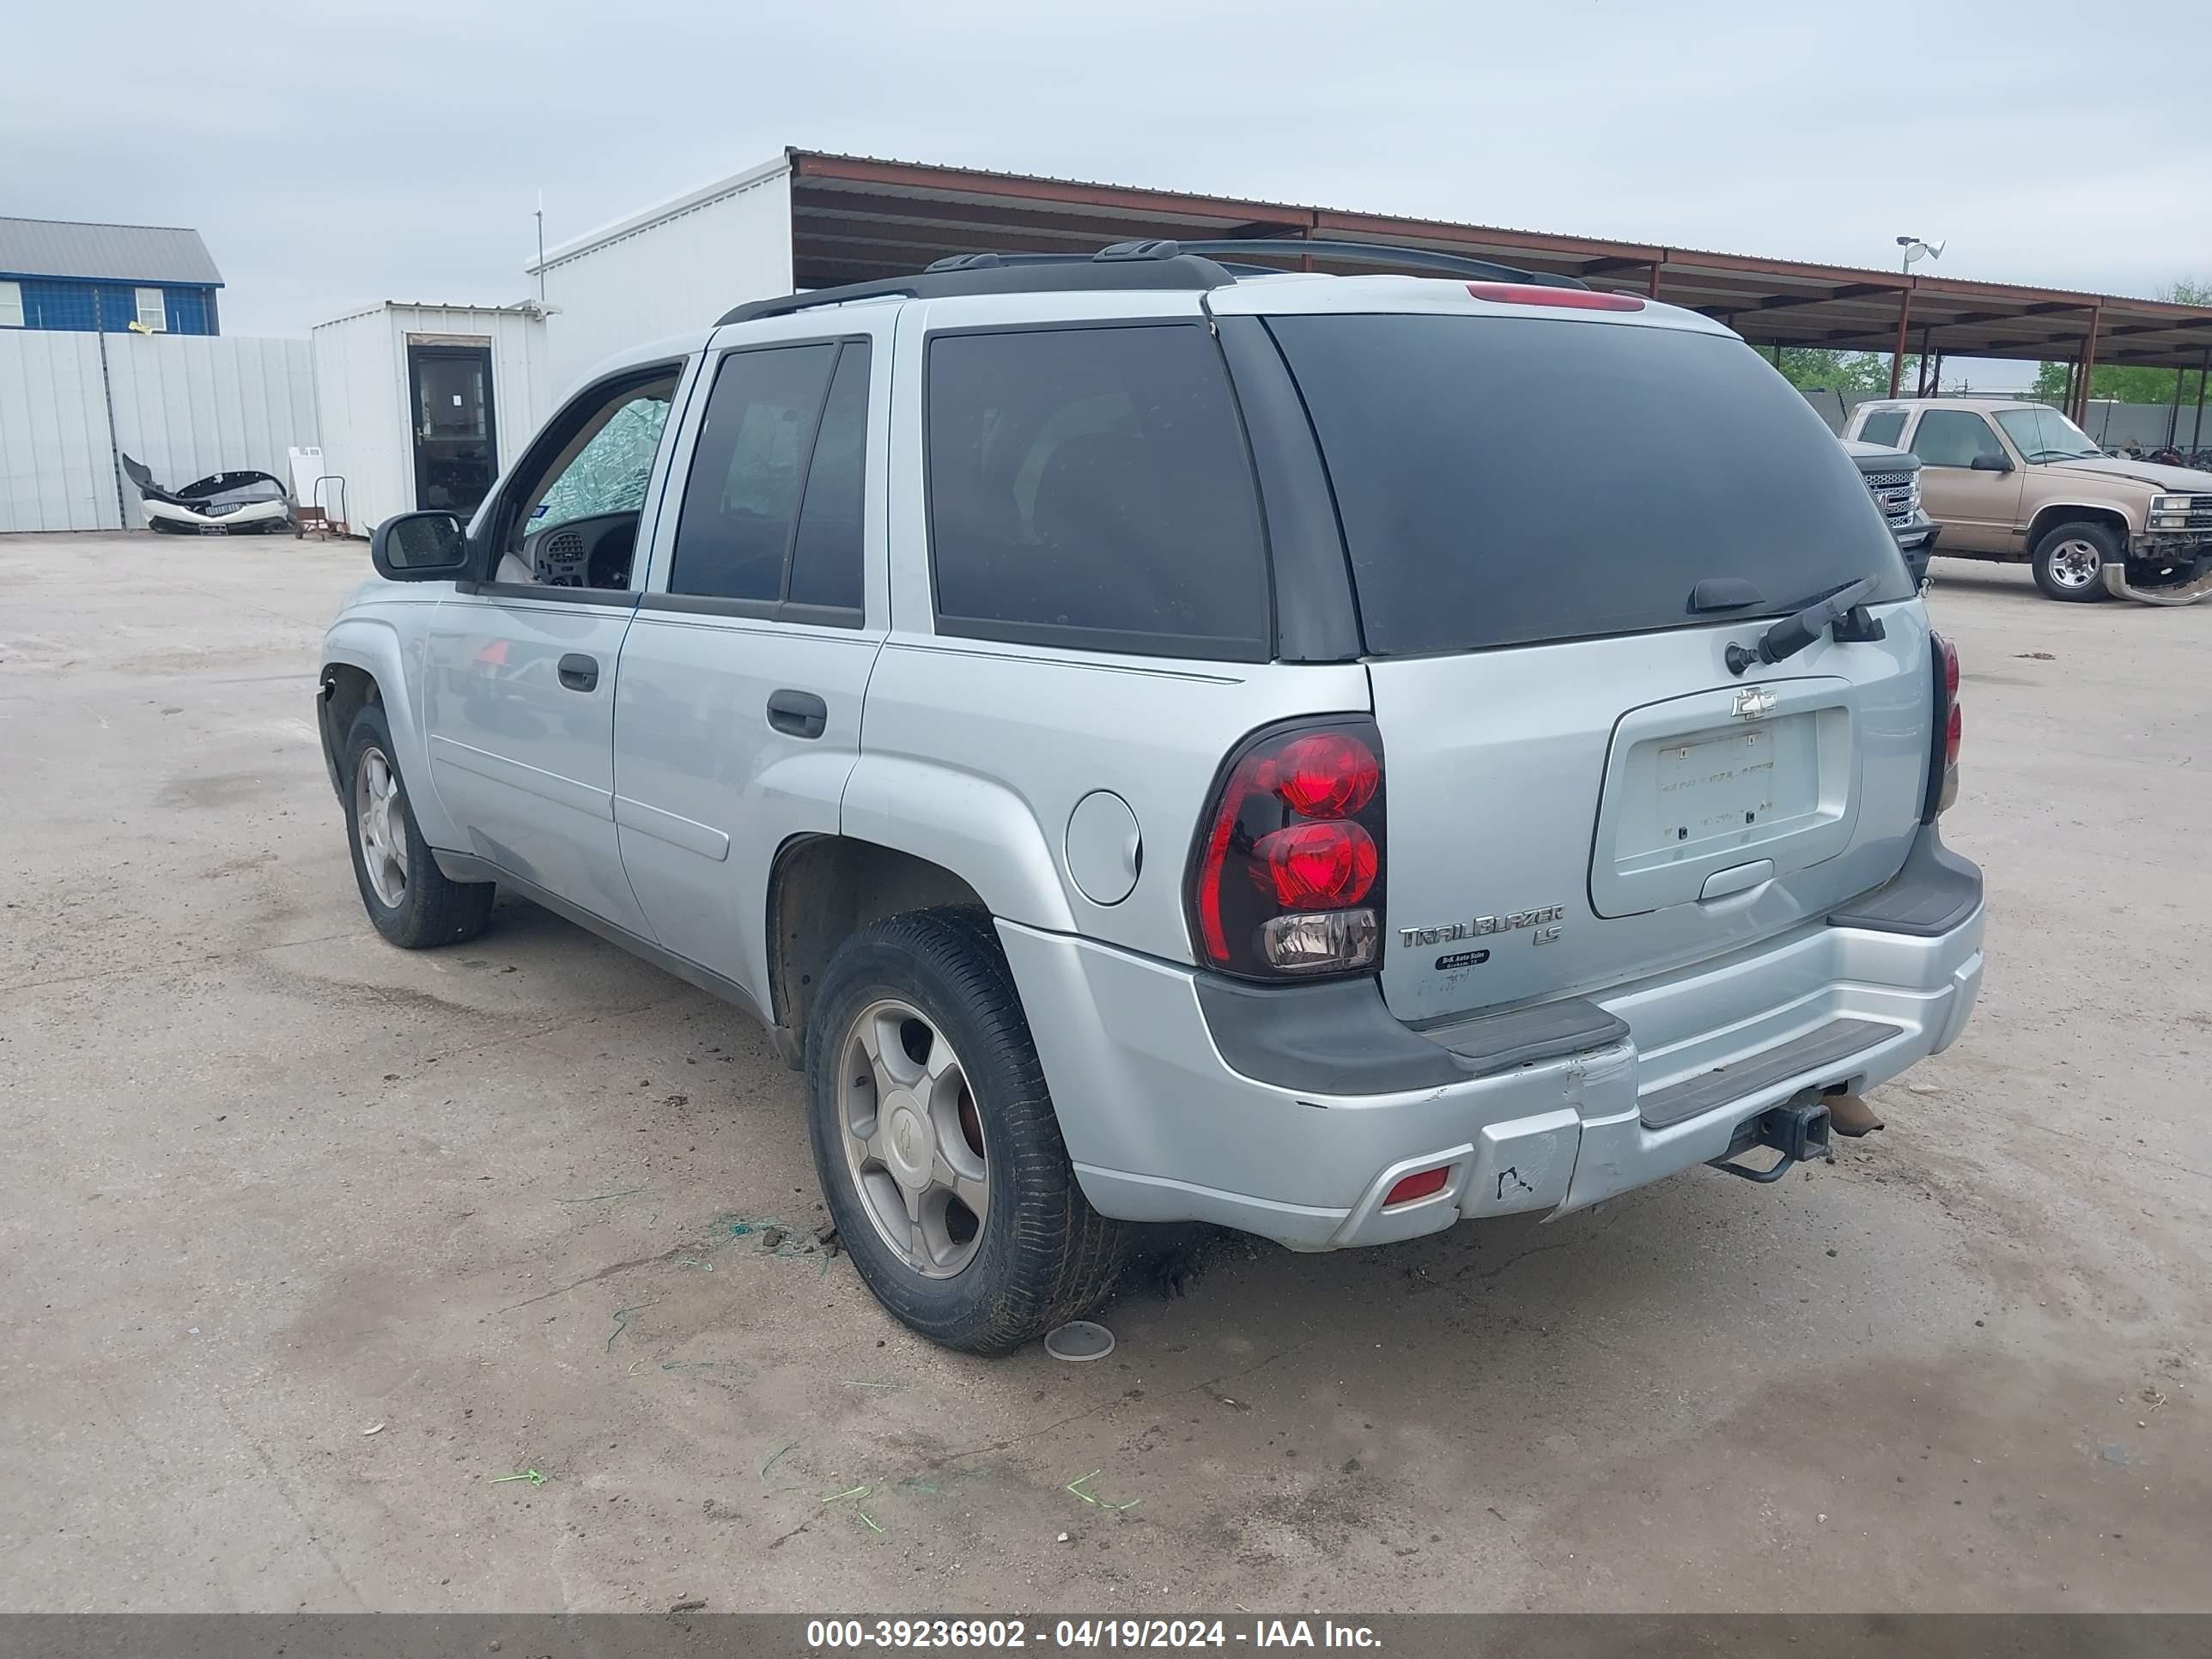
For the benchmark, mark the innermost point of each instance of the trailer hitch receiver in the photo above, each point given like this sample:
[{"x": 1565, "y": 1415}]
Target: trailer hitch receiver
[{"x": 1797, "y": 1129}]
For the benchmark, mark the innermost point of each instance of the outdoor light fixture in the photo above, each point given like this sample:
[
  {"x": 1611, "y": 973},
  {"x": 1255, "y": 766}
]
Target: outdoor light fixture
[{"x": 1916, "y": 248}]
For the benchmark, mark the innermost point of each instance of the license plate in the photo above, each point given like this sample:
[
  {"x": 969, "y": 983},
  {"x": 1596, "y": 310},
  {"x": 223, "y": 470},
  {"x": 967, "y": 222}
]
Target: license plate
[{"x": 1721, "y": 784}]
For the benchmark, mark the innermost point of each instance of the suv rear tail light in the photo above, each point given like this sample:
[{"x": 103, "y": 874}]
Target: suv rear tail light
[
  {"x": 1327, "y": 775},
  {"x": 1950, "y": 727},
  {"x": 1310, "y": 864},
  {"x": 1535, "y": 293},
  {"x": 1287, "y": 876}
]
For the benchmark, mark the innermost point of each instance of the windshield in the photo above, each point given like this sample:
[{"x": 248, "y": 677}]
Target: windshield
[
  {"x": 2045, "y": 434},
  {"x": 1510, "y": 480}
]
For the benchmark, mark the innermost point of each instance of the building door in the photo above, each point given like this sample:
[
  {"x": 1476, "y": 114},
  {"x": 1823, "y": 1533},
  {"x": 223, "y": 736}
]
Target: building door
[{"x": 456, "y": 439}]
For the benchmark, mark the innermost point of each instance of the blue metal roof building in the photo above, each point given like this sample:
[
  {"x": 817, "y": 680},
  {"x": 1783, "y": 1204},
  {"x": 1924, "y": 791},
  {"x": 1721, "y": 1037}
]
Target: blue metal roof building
[{"x": 59, "y": 274}]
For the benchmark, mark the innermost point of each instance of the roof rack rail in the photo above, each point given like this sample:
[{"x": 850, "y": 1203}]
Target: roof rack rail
[
  {"x": 1222, "y": 249},
  {"x": 1012, "y": 273},
  {"x": 1147, "y": 263},
  {"x": 1113, "y": 254}
]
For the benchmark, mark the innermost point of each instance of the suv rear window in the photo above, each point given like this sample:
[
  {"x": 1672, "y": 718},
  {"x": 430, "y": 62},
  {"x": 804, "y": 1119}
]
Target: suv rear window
[
  {"x": 1510, "y": 481},
  {"x": 1089, "y": 487}
]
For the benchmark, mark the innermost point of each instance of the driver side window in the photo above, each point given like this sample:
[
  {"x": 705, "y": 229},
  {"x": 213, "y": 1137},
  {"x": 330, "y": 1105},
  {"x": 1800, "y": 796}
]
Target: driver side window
[
  {"x": 608, "y": 474},
  {"x": 577, "y": 526},
  {"x": 1953, "y": 437}
]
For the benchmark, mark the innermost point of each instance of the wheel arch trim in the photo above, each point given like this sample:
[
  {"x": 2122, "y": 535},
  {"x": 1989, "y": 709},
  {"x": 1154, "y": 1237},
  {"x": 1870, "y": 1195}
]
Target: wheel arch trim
[
  {"x": 2050, "y": 517},
  {"x": 975, "y": 827}
]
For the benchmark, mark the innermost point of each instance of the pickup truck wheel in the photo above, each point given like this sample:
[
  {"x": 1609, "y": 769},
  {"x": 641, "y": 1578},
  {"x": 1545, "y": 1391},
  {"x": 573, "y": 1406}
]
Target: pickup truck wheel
[
  {"x": 938, "y": 1152},
  {"x": 2070, "y": 561},
  {"x": 409, "y": 898}
]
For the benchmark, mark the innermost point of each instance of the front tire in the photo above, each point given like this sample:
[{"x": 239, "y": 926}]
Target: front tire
[
  {"x": 2070, "y": 561},
  {"x": 936, "y": 1143},
  {"x": 411, "y": 902}
]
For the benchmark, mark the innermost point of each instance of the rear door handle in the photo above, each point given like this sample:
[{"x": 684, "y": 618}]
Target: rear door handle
[
  {"x": 799, "y": 714},
  {"x": 580, "y": 672}
]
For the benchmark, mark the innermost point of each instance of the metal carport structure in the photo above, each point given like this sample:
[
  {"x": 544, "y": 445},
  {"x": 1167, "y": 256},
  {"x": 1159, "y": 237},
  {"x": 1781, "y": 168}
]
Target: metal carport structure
[{"x": 853, "y": 218}]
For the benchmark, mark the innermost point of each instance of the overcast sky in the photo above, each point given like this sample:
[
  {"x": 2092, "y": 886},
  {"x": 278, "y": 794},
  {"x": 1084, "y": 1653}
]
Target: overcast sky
[{"x": 343, "y": 151}]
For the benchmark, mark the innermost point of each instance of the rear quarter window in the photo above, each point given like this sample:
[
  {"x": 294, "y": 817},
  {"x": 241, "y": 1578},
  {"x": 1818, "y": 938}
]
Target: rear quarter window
[
  {"x": 1513, "y": 481},
  {"x": 1089, "y": 487}
]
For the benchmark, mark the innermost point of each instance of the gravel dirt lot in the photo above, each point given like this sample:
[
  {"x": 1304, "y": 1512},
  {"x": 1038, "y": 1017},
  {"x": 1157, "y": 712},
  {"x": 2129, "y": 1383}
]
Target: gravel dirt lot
[{"x": 270, "y": 1183}]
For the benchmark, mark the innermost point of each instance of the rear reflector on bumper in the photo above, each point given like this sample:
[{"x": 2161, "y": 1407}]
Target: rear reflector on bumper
[{"x": 1422, "y": 1185}]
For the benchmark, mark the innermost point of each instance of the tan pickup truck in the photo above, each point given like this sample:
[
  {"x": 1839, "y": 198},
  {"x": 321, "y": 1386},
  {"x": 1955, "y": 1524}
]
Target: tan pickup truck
[{"x": 2020, "y": 482}]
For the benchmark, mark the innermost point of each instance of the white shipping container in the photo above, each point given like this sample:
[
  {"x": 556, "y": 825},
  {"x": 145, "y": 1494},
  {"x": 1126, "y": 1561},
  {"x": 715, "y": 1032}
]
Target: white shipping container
[{"x": 424, "y": 405}]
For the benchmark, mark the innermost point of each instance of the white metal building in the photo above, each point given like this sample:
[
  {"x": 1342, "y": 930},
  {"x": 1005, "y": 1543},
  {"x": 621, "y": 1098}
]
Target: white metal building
[
  {"x": 424, "y": 405},
  {"x": 669, "y": 269}
]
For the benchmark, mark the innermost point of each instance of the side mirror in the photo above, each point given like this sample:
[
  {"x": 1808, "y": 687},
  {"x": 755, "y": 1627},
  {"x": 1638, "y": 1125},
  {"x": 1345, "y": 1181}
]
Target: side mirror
[
  {"x": 1992, "y": 464},
  {"x": 420, "y": 547}
]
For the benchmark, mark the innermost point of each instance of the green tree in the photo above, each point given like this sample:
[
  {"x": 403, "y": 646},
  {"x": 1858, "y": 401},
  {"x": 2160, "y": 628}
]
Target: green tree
[
  {"x": 2129, "y": 383},
  {"x": 1810, "y": 369}
]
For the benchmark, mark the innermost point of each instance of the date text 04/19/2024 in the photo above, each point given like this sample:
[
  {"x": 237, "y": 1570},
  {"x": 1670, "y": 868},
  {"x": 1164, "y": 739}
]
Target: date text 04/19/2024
[{"x": 830, "y": 1635}]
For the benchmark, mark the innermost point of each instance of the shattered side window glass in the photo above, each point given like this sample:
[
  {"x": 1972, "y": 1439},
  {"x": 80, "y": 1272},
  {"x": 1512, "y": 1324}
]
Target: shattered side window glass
[{"x": 609, "y": 473}]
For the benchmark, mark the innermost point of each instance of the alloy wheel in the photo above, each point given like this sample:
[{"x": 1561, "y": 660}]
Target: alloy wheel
[
  {"x": 914, "y": 1140},
  {"x": 379, "y": 827}
]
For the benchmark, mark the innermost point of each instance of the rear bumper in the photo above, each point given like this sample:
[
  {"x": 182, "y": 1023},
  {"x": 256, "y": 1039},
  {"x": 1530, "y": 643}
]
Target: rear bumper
[{"x": 1547, "y": 1109}]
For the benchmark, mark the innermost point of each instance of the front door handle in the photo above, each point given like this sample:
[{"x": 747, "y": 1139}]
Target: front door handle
[
  {"x": 580, "y": 672},
  {"x": 799, "y": 714}
]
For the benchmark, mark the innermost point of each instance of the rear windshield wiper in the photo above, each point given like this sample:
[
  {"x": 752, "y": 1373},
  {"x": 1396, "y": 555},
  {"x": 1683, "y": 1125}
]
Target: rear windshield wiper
[{"x": 1794, "y": 633}]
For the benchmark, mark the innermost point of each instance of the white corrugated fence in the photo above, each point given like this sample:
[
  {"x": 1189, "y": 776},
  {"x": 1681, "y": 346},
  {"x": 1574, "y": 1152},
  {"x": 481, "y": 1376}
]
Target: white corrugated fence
[{"x": 186, "y": 405}]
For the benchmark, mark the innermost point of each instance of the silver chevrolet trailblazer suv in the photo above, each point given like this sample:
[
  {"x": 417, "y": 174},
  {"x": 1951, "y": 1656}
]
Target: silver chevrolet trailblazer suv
[{"x": 1159, "y": 739}]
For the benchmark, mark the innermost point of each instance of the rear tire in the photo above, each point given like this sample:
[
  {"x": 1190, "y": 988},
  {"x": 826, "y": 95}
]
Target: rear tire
[
  {"x": 2071, "y": 560},
  {"x": 923, "y": 1085},
  {"x": 411, "y": 901}
]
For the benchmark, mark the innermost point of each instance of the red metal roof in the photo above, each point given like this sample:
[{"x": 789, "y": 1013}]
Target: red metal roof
[{"x": 856, "y": 217}]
